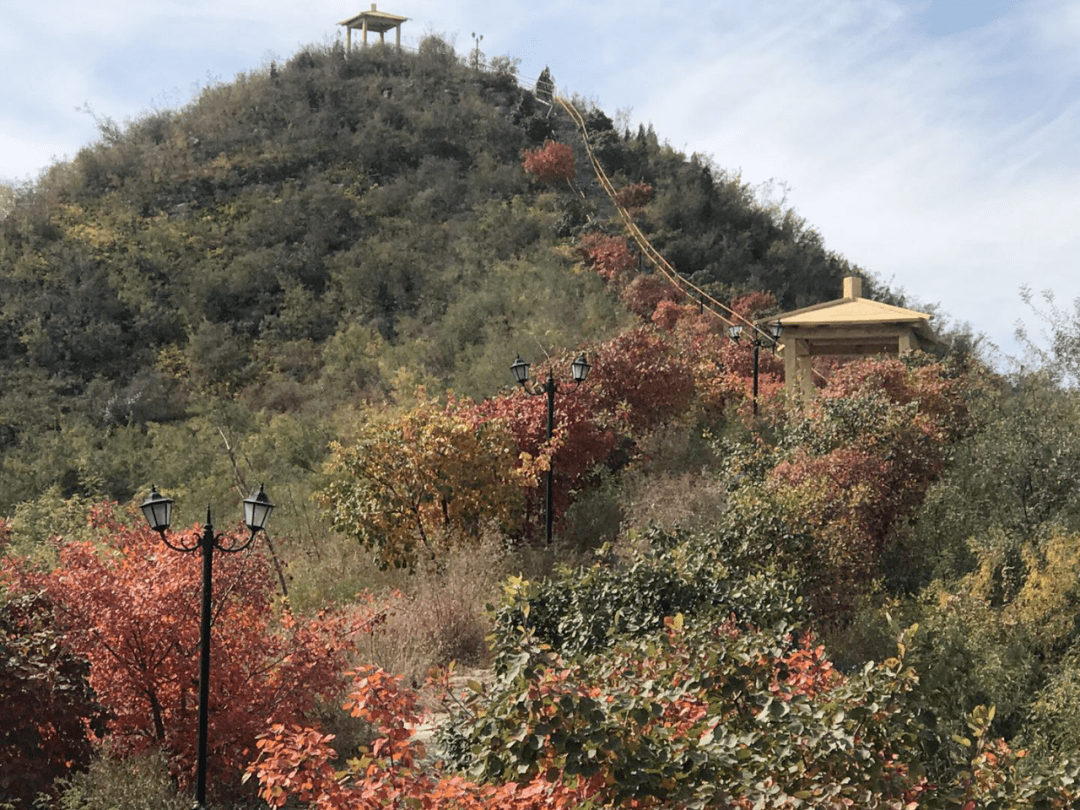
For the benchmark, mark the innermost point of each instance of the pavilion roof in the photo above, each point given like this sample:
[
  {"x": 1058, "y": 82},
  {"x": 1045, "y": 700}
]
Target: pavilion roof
[
  {"x": 850, "y": 311},
  {"x": 377, "y": 21}
]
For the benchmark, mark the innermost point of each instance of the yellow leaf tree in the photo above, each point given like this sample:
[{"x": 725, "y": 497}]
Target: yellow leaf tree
[{"x": 429, "y": 479}]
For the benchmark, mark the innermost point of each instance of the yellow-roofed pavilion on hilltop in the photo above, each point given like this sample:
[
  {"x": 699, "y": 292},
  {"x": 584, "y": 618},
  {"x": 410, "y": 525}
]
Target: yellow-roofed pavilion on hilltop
[
  {"x": 378, "y": 21},
  {"x": 848, "y": 326}
]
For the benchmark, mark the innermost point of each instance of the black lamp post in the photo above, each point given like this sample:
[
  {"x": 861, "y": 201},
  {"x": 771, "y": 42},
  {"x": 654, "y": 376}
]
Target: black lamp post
[
  {"x": 777, "y": 329},
  {"x": 580, "y": 370},
  {"x": 158, "y": 511}
]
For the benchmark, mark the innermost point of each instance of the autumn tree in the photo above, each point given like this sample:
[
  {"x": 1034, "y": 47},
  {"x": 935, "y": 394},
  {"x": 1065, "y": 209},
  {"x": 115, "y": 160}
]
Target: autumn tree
[
  {"x": 637, "y": 382},
  {"x": 608, "y": 256},
  {"x": 552, "y": 163},
  {"x": 433, "y": 476},
  {"x": 642, "y": 379},
  {"x": 645, "y": 292},
  {"x": 130, "y": 606},
  {"x": 51, "y": 714},
  {"x": 634, "y": 197},
  {"x": 722, "y": 368},
  {"x": 856, "y": 466}
]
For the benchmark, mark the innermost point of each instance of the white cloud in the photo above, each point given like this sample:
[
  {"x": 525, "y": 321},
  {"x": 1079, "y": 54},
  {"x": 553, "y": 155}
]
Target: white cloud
[{"x": 919, "y": 156}]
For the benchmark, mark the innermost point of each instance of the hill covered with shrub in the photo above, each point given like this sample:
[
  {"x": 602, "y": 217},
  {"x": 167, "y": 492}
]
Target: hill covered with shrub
[
  {"x": 316, "y": 276},
  {"x": 326, "y": 233}
]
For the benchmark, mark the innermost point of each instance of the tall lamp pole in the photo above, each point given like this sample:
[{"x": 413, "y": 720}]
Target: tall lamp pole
[
  {"x": 776, "y": 329},
  {"x": 158, "y": 512},
  {"x": 580, "y": 370}
]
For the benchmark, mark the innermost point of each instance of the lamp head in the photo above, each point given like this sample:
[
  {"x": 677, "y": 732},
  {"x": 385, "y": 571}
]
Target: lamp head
[
  {"x": 158, "y": 510},
  {"x": 777, "y": 330},
  {"x": 580, "y": 369},
  {"x": 521, "y": 370},
  {"x": 735, "y": 331},
  {"x": 257, "y": 510}
]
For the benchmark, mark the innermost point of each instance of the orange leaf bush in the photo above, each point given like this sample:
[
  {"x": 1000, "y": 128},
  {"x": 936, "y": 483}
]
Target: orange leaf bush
[
  {"x": 131, "y": 606},
  {"x": 552, "y": 163}
]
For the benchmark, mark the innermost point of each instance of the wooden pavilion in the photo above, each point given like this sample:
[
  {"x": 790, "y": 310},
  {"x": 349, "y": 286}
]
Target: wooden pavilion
[
  {"x": 378, "y": 21},
  {"x": 848, "y": 326}
]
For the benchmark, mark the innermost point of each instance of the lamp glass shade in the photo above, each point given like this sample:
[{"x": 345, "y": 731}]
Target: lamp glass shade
[
  {"x": 521, "y": 370},
  {"x": 734, "y": 331},
  {"x": 777, "y": 330},
  {"x": 580, "y": 369},
  {"x": 257, "y": 510},
  {"x": 158, "y": 510}
]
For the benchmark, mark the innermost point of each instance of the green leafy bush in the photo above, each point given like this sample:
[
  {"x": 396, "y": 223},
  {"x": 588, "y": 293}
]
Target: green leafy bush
[{"x": 583, "y": 610}]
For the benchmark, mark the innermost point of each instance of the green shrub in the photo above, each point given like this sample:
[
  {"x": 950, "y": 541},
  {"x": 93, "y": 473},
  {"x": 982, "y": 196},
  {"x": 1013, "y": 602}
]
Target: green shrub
[
  {"x": 585, "y": 609},
  {"x": 129, "y": 783}
]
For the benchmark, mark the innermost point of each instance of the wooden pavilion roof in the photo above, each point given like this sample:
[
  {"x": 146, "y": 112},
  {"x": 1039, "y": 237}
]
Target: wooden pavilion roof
[
  {"x": 378, "y": 21},
  {"x": 854, "y": 310}
]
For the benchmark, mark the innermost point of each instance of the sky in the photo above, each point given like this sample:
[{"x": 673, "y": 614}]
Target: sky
[{"x": 934, "y": 144}]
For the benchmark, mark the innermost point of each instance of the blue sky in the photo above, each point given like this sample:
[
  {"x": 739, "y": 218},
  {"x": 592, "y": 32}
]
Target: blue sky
[{"x": 936, "y": 144}]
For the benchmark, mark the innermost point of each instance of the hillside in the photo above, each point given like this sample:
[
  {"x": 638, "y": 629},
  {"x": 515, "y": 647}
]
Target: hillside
[
  {"x": 316, "y": 277},
  {"x": 305, "y": 235}
]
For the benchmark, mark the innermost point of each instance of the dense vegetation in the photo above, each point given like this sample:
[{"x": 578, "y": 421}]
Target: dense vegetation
[{"x": 316, "y": 277}]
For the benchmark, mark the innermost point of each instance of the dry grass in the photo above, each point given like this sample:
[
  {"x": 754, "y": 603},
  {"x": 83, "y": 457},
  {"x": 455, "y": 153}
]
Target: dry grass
[
  {"x": 441, "y": 615},
  {"x": 694, "y": 501}
]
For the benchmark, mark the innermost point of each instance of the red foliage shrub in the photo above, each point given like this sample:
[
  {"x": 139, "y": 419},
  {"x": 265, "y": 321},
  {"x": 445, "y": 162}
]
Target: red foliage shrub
[
  {"x": 298, "y": 763},
  {"x": 874, "y": 441},
  {"x": 591, "y": 734},
  {"x": 634, "y": 197},
  {"x": 609, "y": 256},
  {"x": 638, "y": 380},
  {"x": 552, "y": 163},
  {"x": 642, "y": 379},
  {"x": 645, "y": 292},
  {"x": 668, "y": 314},
  {"x": 579, "y": 442},
  {"x": 50, "y": 711},
  {"x": 130, "y": 606},
  {"x": 753, "y": 305},
  {"x": 722, "y": 368}
]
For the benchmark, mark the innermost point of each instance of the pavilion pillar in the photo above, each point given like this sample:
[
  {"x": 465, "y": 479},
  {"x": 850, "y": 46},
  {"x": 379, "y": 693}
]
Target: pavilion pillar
[
  {"x": 791, "y": 367},
  {"x": 798, "y": 371},
  {"x": 804, "y": 369},
  {"x": 373, "y": 21}
]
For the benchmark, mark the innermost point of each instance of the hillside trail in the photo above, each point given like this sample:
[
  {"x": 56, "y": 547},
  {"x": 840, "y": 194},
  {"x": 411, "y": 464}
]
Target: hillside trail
[
  {"x": 435, "y": 710},
  {"x": 594, "y": 187},
  {"x": 570, "y": 127}
]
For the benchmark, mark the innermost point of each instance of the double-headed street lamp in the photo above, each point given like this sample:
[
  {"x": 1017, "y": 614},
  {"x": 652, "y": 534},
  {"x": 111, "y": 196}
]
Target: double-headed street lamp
[
  {"x": 580, "y": 370},
  {"x": 158, "y": 512},
  {"x": 776, "y": 328}
]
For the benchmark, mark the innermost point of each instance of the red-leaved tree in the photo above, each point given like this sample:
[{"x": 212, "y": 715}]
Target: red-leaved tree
[
  {"x": 873, "y": 442},
  {"x": 638, "y": 380},
  {"x": 641, "y": 379},
  {"x": 722, "y": 368},
  {"x": 609, "y": 256},
  {"x": 50, "y": 713},
  {"x": 130, "y": 606},
  {"x": 551, "y": 163},
  {"x": 634, "y": 197},
  {"x": 645, "y": 292},
  {"x": 580, "y": 441}
]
